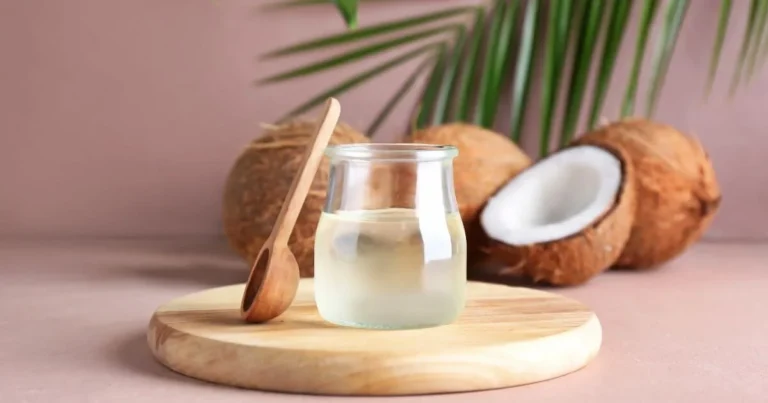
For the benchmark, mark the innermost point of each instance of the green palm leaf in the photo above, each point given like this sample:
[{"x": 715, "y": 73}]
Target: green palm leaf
[
  {"x": 371, "y": 31},
  {"x": 397, "y": 97},
  {"x": 462, "y": 107},
  {"x": 361, "y": 53},
  {"x": 499, "y": 64},
  {"x": 745, "y": 45},
  {"x": 448, "y": 81},
  {"x": 348, "y": 10},
  {"x": 646, "y": 20},
  {"x": 457, "y": 90},
  {"x": 722, "y": 29},
  {"x": 762, "y": 18},
  {"x": 564, "y": 22},
  {"x": 613, "y": 38},
  {"x": 673, "y": 21},
  {"x": 521, "y": 81},
  {"x": 481, "y": 113},
  {"x": 763, "y": 50},
  {"x": 429, "y": 97},
  {"x": 358, "y": 79},
  {"x": 554, "y": 59},
  {"x": 590, "y": 30},
  {"x": 763, "y": 45}
]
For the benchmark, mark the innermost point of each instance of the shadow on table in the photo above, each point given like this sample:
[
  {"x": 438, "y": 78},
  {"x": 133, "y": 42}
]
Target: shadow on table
[
  {"x": 133, "y": 354},
  {"x": 498, "y": 274},
  {"x": 207, "y": 275},
  {"x": 191, "y": 274},
  {"x": 175, "y": 263}
]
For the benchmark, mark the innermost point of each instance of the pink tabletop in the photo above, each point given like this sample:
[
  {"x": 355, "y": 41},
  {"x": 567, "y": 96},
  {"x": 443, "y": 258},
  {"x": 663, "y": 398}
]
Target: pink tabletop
[{"x": 73, "y": 316}]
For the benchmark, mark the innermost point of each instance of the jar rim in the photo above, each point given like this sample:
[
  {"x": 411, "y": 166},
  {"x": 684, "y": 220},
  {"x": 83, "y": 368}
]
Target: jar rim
[{"x": 415, "y": 152}]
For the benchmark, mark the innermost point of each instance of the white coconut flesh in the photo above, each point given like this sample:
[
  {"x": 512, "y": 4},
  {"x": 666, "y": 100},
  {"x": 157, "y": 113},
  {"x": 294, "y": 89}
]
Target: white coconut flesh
[{"x": 556, "y": 198}]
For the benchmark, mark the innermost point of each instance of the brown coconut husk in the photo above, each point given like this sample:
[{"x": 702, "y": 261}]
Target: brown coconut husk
[
  {"x": 577, "y": 258},
  {"x": 259, "y": 180},
  {"x": 677, "y": 191},
  {"x": 486, "y": 161}
]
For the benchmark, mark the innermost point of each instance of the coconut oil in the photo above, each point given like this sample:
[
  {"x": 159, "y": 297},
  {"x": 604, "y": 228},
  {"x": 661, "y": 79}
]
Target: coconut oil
[{"x": 391, "y": 268}]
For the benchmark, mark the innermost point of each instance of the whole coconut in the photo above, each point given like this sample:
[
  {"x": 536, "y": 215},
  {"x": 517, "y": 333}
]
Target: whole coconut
[
  {"x": 486, "y": 161},
  {"x": 259, "y": 180},
  {"x": 677, "y": 191}
]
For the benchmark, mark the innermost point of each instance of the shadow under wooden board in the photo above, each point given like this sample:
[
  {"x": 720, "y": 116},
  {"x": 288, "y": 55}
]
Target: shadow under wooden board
[{"x": 506, "y": 336}]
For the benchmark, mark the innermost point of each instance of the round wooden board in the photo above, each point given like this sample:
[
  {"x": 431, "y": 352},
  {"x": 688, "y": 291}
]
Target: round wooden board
[{"x": 507, "y": 336}]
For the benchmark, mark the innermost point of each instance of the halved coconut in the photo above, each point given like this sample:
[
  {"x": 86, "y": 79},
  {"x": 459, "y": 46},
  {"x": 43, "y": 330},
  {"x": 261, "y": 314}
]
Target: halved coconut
[{"x": 564, "y": 219}]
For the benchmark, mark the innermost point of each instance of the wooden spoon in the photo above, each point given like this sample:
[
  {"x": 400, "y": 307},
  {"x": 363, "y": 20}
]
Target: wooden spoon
[{"x": 274, "y": 276}]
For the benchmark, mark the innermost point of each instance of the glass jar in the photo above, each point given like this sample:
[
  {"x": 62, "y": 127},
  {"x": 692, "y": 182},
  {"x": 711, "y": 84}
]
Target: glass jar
[{"x": 390, "y": 246}]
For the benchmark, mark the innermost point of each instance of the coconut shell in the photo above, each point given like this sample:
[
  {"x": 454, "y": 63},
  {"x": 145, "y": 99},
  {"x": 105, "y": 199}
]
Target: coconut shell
[
  {"x": 677, "y": 191},
  {"x": 486, "y": 161},
  {"x": 578, "y": 258},
  {"x": 259, "y": 180}
]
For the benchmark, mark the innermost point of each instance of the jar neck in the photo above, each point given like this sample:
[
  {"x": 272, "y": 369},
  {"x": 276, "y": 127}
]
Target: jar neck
[
  {"x": 391, "y": 152},
  {"x": 425, "y": 185}
]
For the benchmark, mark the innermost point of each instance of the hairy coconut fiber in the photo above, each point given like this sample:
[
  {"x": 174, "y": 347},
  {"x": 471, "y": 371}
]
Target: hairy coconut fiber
[
  {"x": 259, "y": 180},
  {"x": 575, "y": 259},
  {"x": 677, "y": 191}
]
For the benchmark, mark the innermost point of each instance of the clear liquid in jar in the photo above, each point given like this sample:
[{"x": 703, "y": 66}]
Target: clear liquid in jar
[{"x": 391, "y": 268}]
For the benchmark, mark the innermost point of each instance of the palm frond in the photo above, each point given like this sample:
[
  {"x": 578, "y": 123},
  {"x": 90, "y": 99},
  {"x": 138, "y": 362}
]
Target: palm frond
[
  {"x": 760, "y": 22},
  {"x": 675, "y": 15},
  {"x": 554, "y": 57},
  {"x": 348, "y": 10},
  {"x": 361, "y": 53},
  {"x": 746, "y": 42},
  {"x": 485, "y": 89},
  {"x": 429, "y": 97},
  {"x": 464, "y": 86},
  {"x": 370, "y": 31},
  {"x": 763, "y": 51},
  {"x": 617, "y": 23},
  {"x": 359, "y": 79},
  {"x": 500, "y": 63},
  {"x": 590, "y": 30},
  {"x": 646, "y": 20},
  {"x": 469, "y": 53},
  {"x": 398, "y": 96},
  {"x": 722, "y": 29},
  {"x": 448, "y": 81},
  {"x": 521, "y": 82}
]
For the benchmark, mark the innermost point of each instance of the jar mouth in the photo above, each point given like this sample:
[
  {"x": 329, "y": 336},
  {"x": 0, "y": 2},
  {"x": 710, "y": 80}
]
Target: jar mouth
[{"x": 414, "y": 152}]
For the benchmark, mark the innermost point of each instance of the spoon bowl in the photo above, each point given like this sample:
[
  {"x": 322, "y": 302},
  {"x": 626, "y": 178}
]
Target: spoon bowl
[{"x": 272, "y": 284}]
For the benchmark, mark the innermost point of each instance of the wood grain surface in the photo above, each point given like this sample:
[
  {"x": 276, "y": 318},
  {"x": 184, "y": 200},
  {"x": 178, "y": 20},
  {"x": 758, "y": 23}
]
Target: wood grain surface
[{"x": 506, "y": 336}]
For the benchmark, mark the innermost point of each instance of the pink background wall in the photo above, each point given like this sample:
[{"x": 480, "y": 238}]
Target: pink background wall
[{"x": 123, "y": 117}]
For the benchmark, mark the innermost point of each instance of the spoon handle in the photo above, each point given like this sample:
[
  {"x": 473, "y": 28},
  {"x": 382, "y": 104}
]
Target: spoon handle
[{"x": 296, "y": 196}]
